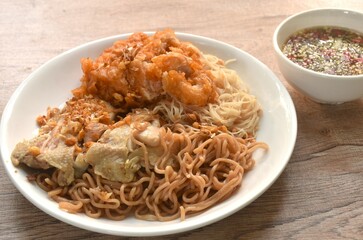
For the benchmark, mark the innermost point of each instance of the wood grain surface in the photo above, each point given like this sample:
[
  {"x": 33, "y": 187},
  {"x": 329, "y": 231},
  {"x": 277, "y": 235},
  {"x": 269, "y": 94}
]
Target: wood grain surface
[{"x": 318, "y": 196}]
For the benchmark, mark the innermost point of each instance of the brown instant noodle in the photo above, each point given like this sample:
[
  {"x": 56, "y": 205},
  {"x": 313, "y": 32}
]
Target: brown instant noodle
[{"x": 208, "y": 167}]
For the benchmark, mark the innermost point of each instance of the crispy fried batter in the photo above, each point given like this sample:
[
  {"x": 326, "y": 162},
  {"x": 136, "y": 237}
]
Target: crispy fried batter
[{"x": 141, "y": 69}]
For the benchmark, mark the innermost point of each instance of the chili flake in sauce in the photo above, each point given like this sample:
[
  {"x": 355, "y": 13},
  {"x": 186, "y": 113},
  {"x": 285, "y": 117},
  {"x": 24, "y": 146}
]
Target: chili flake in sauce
[{"x": 330, "y": 50}]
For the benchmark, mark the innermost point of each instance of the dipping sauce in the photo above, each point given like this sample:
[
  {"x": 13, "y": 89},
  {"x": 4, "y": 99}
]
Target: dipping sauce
[{"x": 330, "y": 50}]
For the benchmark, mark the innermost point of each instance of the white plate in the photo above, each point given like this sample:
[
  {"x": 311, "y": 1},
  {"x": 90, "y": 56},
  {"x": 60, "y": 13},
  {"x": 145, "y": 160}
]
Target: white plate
[{"x": 50, "y": 85}]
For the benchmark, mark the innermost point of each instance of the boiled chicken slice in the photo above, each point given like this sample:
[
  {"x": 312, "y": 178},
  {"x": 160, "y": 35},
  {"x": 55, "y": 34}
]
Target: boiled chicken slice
[
  {"x": 109, "y": 156},
  {"x": 60, "y": 137}
]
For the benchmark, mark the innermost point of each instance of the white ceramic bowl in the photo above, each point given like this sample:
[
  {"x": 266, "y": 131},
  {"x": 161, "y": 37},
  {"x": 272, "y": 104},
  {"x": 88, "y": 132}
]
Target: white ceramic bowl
[
  {"x": 320, "y": 87},
  {"x": 50, "y": 85}
]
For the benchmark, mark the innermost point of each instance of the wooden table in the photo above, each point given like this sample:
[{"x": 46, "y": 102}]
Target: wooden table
[{"x": 318, "y": 196}]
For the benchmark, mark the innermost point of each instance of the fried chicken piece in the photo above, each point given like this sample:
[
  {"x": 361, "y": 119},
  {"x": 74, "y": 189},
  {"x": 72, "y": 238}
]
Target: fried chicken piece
[{"x": 142, "y": 69}]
